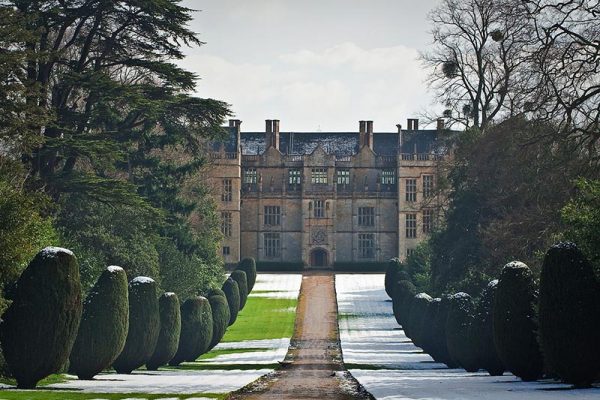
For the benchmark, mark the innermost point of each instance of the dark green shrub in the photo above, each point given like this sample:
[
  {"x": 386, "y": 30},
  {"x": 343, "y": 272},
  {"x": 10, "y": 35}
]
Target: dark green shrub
[
  {"x": 196, "y": 330},
  {"x": 240, "y": 277},
  {"x": 40, "y": 326},
  {"x": 104, "y": 325},
  {"x": 144, "y": 325},
  {"x": 232, "y": 293},
  {"x": 426, "y": 328},
  {"x": 482, "y": 332},
  {"x": 418, "y": 309},
  {"x": 440, "y": 352},
  {"x": 401, "y": 302},
  {"x": 515, "y": 322},
  {"x": 248, "y": 265},
  {"x": 220, "y": 316},
  {"x": 569, "y": 315},
  {"x": 170, "y": 330},
  {"x": 458, "y": 329},
  {"x": 394, "y": 266}
]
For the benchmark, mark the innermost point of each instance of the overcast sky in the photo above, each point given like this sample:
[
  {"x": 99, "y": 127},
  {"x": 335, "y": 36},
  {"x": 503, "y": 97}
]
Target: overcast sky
[{"x": 313, "y": 64}]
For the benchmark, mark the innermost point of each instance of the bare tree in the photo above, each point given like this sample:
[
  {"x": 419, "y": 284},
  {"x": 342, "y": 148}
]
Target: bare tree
[
  {"x": 477, "y": 63},
  {"x": 566, "y": 61}
]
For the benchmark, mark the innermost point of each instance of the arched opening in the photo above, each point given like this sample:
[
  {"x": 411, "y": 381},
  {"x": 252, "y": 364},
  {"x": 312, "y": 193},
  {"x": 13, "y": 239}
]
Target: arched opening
[{"x": 319, "y": 258}]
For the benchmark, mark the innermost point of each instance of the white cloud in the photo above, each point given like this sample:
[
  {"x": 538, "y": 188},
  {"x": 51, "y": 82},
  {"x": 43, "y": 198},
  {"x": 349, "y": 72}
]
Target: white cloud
[{"x": 333, "y": 88}]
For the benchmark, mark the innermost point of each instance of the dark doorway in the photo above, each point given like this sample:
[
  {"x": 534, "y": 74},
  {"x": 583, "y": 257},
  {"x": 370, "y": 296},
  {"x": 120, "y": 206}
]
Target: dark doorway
[{"x": 318, "y": 258}]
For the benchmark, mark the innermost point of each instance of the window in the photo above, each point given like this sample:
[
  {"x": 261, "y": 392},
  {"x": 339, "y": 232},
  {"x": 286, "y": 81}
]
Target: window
[
  {"x": 250, "y": 176},
  {"x": 366, "y": 245},
  {"x": 227, "y": 194},
  {"x": 427, "y": 186},
  {"x": 319, "y": 176},
  {"x": 343, "y": 177},
  {"x": 319, "y": 208},
  {"x": 409, "y": 252},
  {"x": 226, "y": 250},
  {"x": 294, "y": 176},
  {"x": 411, "y": 226},
  {"x": 272, "y": 244},
  {"x": 427, "y": 221},
  {"x": 272, "y": 215},
  {"x": 366, "y": 216},
  {"x": 226, "y": 222},
  {"x": 411, "y": 190},
  {"x": 388, "y": 177}
]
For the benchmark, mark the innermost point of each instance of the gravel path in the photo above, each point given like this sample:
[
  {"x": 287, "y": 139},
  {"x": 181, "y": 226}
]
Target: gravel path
[{"x": 313, "y": 366}]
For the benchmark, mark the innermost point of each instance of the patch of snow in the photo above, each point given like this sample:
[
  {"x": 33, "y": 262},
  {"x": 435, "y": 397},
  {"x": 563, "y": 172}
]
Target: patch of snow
[
  {"x": 141, "y": 279},
  {"x": 167, "y": 382},
  {"x": 113, "y": 269},
  {"x": 170, "y": 294},
  {"x": 369, "y": 335},
  {"x": 280, "y": 286},
  {"x": 51, "y": 250},
  {"x": 274, "y": 351}
]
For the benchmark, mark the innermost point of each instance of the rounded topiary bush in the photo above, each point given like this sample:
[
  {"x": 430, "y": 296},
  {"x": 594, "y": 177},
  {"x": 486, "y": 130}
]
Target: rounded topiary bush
[
  {"x": 515, "y": 322},
  {"x": 482, "y": 332},
  {"x": 458, "y": 329},
  {"x": 232, "y": 293},
  {"x": 40, "y": 326},
  {"x": 439, "y": 333},
  {"x": 427, "y": 332},
  {"x": 170, "y": 330},
  {"x": 240, "y": 277},
  {"x": 418, "y": 309},
  {"x": 569, "y": 315},
  {"x": 144, "y": 325},
  {"x": 248, "y": 265},
  {"x": 196, "y": 330},
  {"x": 220, "y": 316},
  {"x": 404, "y": 293},
  {"x": 104, "y": 325},
  {"x": 393, "y": 268}
]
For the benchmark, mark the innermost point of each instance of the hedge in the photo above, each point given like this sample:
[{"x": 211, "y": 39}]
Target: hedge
[
  {"x": 40, "y": 326},
  {"x": 104, "y": 325},
  {"x": 232, "y": 293}
]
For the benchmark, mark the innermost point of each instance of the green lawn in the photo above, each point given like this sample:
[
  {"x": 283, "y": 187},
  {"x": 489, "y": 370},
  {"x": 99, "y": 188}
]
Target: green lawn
[
  {"x": 263, "y": 318},
  {"x": 63, "y": 395}
]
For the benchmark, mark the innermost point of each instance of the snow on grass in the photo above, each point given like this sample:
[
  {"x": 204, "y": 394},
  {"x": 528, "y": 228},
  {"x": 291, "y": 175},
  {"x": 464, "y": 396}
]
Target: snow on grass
[
  {"x": 268, "y": 351},
  {"x": 390, "y": 367},
  {"x": 278, "y": 286}
]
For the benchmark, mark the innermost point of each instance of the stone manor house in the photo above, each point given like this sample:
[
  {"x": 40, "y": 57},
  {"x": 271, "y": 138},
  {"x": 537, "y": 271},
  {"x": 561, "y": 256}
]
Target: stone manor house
[{"x": 320, "y": 198}]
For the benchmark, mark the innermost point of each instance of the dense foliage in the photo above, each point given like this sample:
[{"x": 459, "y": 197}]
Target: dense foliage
[
  {"x": 170, "y": 330},
  {"x": 515, "y": 322},
  {"x": 458, "y": 329},
  {"x": 40, "y": 326},
  {"x": 144, "y": 326},
  {"x": 482, "y": 332},
  {"x": 569, "y": 315},
  {"x": 104, "y": 325}
]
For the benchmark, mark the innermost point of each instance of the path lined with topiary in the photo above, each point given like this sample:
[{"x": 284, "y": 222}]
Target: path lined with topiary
[{"x": 313, "y": 366}]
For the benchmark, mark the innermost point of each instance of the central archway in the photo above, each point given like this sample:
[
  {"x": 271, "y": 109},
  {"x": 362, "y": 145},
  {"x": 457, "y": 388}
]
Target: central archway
[{"x": 319, "y": 258}]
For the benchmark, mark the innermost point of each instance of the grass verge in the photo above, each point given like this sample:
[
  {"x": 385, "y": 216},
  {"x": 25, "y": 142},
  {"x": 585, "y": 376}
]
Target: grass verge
[{"x": 69, "y": 395}]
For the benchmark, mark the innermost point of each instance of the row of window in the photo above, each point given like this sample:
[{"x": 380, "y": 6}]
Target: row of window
[
  {"x": 272, "y": 245},
  {"x": 318, "y": 176},
  {"x": 366, "y": 217}
]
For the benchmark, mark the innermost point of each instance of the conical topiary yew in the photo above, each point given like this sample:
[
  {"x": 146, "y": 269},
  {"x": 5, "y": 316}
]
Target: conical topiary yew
[
  {"x": 569, "y": 317},
  {"x": 439, "y": 337},
  {"x": 220, "y": 315},
  {"x": 426, "y": 329},
  {"x": 404, "y": 293},
  {"x": 232, "y": 293},
  {"x": 458, "y": 328},
  {"x": 392, "y": 275},
  {"x": 104, "y": 325},
  {"x": 40, "y": 326},
  {"x": 144, "y": 325},
  {"x": 482, "y": 332},
  {"x": 170, "y": 329},
  {"x": 248, "y": 265},
  {"x": 196, "y": 330},
  {"x": 240, "y": 277},
  {"x": 515, "y": 322}
]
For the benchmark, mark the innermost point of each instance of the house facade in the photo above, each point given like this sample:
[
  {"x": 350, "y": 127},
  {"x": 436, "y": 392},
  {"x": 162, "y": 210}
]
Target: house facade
[{"x": 324, "y": 198}]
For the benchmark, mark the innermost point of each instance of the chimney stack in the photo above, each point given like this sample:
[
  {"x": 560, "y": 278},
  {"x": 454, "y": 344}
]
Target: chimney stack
[
  {"x": 399, "y": 136},
  {"x": 272, "y": 133},
  {"x": 441, "y": 124},
  {"x": 369, "y": 135},
  {"x": 413, "y": 124},
  {"x": 365, "y": 134},
  {"x": 236, "y": 124}
]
